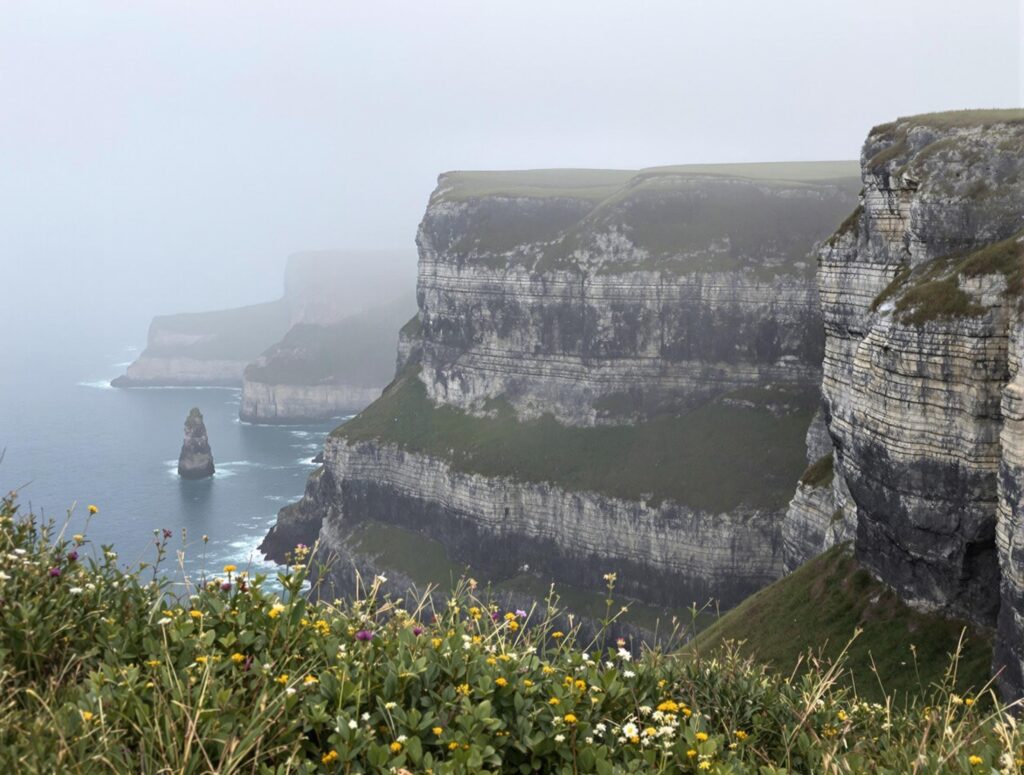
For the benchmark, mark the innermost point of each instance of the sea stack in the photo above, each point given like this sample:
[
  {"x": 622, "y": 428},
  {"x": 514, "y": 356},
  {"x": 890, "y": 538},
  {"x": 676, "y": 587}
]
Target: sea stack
[{"x": 196, "y": 459}]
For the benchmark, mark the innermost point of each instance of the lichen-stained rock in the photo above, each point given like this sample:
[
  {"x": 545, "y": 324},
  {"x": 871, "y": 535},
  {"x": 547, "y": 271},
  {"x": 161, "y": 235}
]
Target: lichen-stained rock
[
  {"x": 196, "y": 458},
  {"x": 918, "y": 289}
]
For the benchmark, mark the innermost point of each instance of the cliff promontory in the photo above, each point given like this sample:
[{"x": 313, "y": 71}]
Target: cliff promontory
[
  {"x": 920, "y": 294},
  {"x": 323, "y": 370},
  {"x": 608, "y": 370},
  {"x": 335, "y": 304}
]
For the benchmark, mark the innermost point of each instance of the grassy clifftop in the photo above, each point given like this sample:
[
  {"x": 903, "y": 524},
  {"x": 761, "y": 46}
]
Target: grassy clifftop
[
  {"x": 681, "y": 219},
  {"x": 823, "y": 603},
  {"x": 715, "y": 458}
]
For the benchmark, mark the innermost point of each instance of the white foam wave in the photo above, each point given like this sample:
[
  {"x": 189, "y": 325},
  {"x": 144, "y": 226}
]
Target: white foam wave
[{"x": 101, "y": 384}]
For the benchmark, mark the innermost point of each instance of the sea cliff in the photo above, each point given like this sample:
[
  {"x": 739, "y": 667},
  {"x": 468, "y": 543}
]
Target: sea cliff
[{"x": 608, "y": 371}]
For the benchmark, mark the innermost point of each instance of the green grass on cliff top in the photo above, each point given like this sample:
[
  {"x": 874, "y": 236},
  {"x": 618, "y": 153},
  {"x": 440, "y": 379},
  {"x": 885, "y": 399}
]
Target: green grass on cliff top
[
  {"x": 957, "y": 119},
  {"x": 823, "y": 603},
  {"x": 597, "y": 184},
  {"x": 715, "y": 458}
]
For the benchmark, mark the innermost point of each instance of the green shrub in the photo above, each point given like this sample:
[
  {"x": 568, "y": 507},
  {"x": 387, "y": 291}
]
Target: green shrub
[{"x": 106, "y": 672}]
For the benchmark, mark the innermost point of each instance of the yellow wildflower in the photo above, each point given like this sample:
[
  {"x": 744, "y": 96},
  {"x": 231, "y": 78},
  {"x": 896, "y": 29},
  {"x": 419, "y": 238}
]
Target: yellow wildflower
[
  {"x": 275, "y": 610},
  {"x": 201, "y": 660},
  {"x": 974, "y": 759},
  {"x": 86, "y": 715},
  {"x": 704, "y": 765},
  {"x": 195, "y": 614},
  {"x": 452, "y": 745},
  {"x": 153, "y": 663},
  {"x": 492, "y": 661},
  {"x": 435, "y": 642},
  {"x": 230, "y": 568},
  {"x": 557, "y": 634},
  {"x": 93, "y": 509},
  {"x": 282, "y": 679},
  {"x": 581, "y": 684},
  {"x": 236, "y": 657},
  {"x": 310, "y": 679},
  {"x": 527, "y": 683},
  {"x": 968, "y": 702},
  {"x": 692, "y": 752},
  {"x": 437, "y": 731},
  {"x": 513, "y": 625},
  {"x": 330, "y": 757},
  {"x": 554, "y": 701},
  {"x": 741, "y": 735},
  {"x": 547, "y": 670},
  {"x": 463, "y": 689},
  {"x": 396, "y": 747},
  {"x": 501, "y": 681},
  {"x": 702, "y": 736},
  {"x": 569, "y": 718},
  {"x": 78, "y": 538},
  {"x": 669, "y": 706}
]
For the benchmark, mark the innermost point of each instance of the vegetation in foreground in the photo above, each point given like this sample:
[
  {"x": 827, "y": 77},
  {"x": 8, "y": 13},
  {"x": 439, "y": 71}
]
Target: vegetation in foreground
[{"x": 104, "y": 671}]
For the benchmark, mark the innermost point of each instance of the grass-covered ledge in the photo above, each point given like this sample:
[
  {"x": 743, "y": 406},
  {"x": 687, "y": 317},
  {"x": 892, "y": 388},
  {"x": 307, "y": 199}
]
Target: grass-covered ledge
[
  {"x": 715, "y": 458},
  {"x": 105, "y": 670}
]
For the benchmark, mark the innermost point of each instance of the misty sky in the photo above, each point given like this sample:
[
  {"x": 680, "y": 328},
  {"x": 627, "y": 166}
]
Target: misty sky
[{"x": 164, "y": 156}]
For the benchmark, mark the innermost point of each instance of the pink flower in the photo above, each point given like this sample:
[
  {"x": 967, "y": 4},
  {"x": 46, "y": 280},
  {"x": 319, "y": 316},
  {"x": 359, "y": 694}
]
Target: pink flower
[
  {"x": 54, "y": 572},
  {"x": 364, "y": 635}
]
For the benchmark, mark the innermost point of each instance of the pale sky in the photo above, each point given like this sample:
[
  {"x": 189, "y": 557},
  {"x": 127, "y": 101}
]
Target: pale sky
[{"x": 167, "y": 155}]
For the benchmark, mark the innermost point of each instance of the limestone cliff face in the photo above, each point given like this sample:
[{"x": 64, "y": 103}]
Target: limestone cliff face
[
  {"x": 586, "y": 301},
  {"x": 196, "y": 458},
  {"x": 321, "y": 371},
  {"x": 664, "y": 553},
  {"x": 920, "y": 295},
  {"x": 675, "y": 287}
]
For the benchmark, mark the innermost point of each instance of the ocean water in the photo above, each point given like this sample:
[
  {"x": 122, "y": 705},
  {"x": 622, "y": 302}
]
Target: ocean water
[{"x": 71, "y": 440}]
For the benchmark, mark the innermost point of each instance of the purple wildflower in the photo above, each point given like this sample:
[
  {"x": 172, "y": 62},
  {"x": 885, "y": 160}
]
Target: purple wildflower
[
  {"x": 417, "y": 630},
  {"x": 364, "y": 635},
  {"x": 167, "y": 533},
  {"x": 495, "y": 616},
  {"x": 54, "y": 572},
  {"x": 226, "y": 586},
  {"x": 520, "y": 613},
  {"x": 72, "y": 555}
]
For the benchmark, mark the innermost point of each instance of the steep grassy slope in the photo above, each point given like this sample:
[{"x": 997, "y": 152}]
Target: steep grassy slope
[
  {"x": 823, "y": 603},
  {"x": 715, "y": 458}
]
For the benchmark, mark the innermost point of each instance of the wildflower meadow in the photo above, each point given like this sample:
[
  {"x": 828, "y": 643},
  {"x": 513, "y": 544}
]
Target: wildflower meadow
[{"x": 111, "y": 669}]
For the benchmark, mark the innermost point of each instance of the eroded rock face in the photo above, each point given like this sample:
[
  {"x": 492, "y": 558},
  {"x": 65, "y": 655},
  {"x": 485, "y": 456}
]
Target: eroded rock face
[
  {"x": 654, "y": 294},
  {"x": 663, "y": 553},
  {"x": 920, "y": 295},
  {"x": 196, "y": 459},
  {"x": 649, "y": 300}
]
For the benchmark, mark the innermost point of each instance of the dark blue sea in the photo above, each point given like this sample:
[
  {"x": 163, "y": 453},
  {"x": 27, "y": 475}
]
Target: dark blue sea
[{"x": 71, "y": 440}]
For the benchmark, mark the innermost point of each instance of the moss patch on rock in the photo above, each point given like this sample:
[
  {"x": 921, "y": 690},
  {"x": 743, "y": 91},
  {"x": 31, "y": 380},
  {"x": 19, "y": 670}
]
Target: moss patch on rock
[{"x": 935, "y": 291}]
